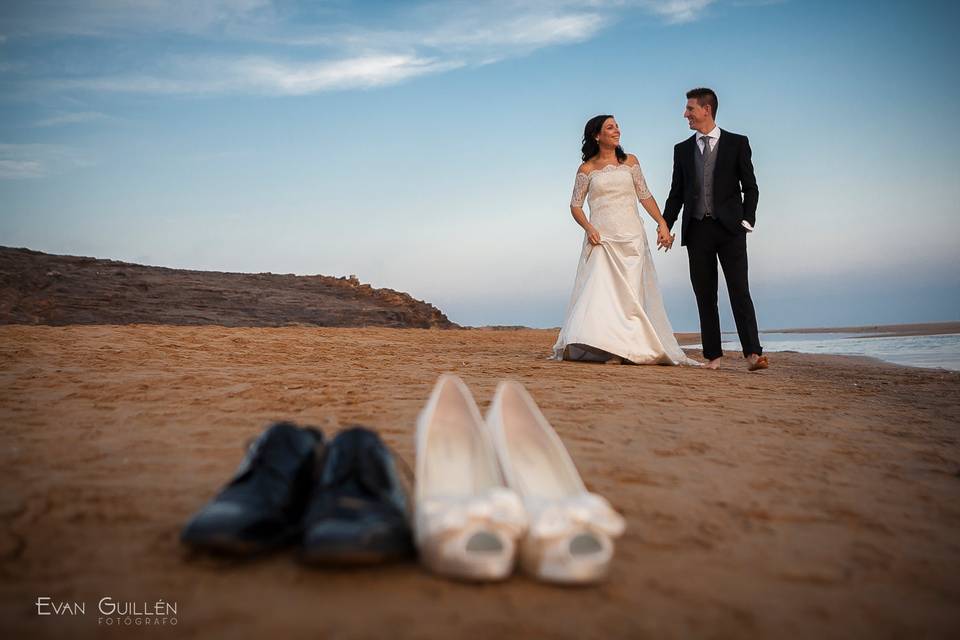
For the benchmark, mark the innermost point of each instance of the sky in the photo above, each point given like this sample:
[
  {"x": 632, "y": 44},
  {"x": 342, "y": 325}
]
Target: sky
[{"x": 431, "y": 147}]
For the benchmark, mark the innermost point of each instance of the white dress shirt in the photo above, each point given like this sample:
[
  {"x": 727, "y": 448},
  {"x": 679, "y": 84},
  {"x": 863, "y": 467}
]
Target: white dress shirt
[{"x": 713, "y": 136}]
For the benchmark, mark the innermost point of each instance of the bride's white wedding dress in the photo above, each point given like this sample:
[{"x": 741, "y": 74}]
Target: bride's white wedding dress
[{"x": 616, "y": 308}]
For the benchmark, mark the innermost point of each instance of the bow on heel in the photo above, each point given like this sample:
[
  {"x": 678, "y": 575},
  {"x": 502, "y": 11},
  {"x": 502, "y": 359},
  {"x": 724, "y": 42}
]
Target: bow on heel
[
  {"x": 466, "y": 522},
  {"x": 570, "y": 540}
]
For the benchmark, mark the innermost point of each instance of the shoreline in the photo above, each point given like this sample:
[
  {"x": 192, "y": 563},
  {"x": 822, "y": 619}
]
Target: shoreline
[
  {"x": 868, "y": 331},
  {"x": 925, "y": 357},
  {"x": 883, "y": 330}
]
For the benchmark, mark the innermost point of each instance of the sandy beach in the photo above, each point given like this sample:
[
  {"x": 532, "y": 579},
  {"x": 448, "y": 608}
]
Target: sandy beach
[{"x": 818, "y": 499}]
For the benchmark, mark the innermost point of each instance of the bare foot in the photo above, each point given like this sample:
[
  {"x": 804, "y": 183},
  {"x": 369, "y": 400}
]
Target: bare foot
[
  {"x": 713, "y": 364},
  {"x": 757, "y": 362}
]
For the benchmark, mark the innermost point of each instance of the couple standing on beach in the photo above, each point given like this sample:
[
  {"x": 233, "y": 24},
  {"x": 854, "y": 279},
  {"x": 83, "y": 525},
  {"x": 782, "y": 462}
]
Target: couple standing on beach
[{"x": 616, "y": 310}]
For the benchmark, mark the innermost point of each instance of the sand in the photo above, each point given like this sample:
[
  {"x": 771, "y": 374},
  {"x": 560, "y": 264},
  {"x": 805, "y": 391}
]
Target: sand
[
  {"x": 818, "y": 499},
  {"x": 877, "y": 330}
]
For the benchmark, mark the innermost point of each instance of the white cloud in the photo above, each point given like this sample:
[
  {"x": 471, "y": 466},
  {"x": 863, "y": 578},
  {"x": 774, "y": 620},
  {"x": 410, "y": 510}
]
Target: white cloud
[
  {"x": 429, "y": 38},
  {"x": 470, "y": 34},
  {"x": 678, "y": 11},
  {"x": 529, "y": 31},
  {"x": 267, "y": 75},
  {"x": 296, "y": 79},
  {"x": 70, "y": 118},
  {"x": 25, "y": 161},
  {"x": 17, "y": 169}
]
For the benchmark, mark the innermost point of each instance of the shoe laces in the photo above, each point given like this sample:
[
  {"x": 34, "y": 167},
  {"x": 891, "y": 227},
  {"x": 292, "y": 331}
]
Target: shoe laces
[
  {"x": 264, "y": 453},
  {"x": 357, "y": 465}
]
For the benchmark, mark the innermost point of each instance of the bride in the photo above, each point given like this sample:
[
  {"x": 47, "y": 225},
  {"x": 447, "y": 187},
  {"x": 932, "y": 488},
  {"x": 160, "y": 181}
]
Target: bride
[{"x": 615, "y": 311}]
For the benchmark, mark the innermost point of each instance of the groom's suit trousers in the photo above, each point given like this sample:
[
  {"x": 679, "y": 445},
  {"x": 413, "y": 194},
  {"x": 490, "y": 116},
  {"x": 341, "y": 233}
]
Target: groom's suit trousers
[{"x": 709, "y": 241}]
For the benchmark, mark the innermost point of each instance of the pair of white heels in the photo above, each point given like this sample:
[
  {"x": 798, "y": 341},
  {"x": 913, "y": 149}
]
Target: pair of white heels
[{"x": 489, "y": 490}]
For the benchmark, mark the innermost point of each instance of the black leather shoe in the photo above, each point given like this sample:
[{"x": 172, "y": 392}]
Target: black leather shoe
[
  {"x": 358, "y": 509},
  {"x": 261, "y": 508}
]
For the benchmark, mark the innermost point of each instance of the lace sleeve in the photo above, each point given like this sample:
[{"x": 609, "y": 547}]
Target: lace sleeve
[
  {"x": 580, "y": 186},
  {"x": 639, "y": 183}
]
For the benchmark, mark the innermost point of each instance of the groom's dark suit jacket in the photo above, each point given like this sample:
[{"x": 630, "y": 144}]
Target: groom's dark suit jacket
[{"x": 732, "y": 174}]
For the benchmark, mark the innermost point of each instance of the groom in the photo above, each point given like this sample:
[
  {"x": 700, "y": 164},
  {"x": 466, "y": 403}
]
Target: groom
[{"x": 710, "y": 170}]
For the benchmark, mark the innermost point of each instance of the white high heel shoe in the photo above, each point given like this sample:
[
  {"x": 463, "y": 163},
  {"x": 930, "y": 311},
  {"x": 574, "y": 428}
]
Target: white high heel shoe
[
  {"x": 466, "y": 522},
  {"x": 570, "y": 538}
]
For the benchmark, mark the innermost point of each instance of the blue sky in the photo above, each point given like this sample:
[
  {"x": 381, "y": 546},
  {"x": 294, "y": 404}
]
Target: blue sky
[{"x": 430, "y": 147}]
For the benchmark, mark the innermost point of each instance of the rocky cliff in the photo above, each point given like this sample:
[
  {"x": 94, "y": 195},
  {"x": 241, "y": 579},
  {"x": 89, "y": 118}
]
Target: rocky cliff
[{"x": 39, "y": 288}]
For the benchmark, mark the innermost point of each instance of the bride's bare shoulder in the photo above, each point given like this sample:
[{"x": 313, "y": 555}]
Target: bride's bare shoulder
[
  {"x": 585, "y": 168},
  {"x": 632, "y": 160}
]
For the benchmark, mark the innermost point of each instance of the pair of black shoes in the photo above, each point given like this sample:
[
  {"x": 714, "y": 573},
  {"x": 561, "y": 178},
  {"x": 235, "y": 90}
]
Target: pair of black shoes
[{"x": 343, "y": 502}]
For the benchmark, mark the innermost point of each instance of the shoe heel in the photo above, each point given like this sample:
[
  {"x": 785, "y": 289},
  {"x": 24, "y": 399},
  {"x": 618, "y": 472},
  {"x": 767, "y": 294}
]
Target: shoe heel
[
  {"x": 570, "y": 538},
  {"x": 466, "y": 523}
]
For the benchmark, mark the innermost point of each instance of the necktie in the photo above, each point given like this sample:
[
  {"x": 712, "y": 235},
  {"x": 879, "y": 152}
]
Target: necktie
[{"x": 707, "y": 153}]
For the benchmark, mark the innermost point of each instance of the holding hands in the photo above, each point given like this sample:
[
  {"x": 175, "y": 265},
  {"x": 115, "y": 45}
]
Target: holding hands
[{"x": 664, "y": 237}]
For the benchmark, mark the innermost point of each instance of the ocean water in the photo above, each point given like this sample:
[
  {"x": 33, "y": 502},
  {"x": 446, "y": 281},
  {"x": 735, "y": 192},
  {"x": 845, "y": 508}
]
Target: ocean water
[{"x": 915, "y": 351}]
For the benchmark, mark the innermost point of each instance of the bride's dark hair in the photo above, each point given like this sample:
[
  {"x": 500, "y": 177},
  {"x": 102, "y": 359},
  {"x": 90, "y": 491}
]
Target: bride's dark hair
[{"x": 590, "y": 146}]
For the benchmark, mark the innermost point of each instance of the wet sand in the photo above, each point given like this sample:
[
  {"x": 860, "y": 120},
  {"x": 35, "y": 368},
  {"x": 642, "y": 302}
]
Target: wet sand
[
  {"x": 901, "y": 330},
  {"x": 818, "y": 499},
  {"x": 866, "y": 331}
]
